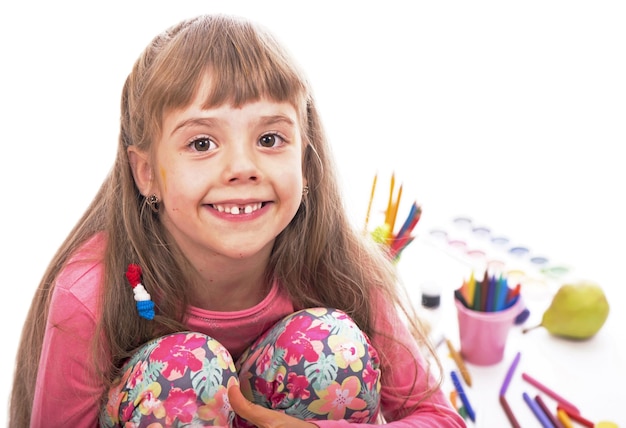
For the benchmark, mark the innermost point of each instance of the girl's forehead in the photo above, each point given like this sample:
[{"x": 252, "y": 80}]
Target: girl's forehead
[
  {"x": 254, "y": 111},
  {"x": 208, "y": 89},
  {"x": 203, "y": 100}
]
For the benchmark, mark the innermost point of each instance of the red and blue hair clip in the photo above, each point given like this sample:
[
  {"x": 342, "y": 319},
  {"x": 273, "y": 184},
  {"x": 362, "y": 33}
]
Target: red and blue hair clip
[{"x": 145, "y": 306}]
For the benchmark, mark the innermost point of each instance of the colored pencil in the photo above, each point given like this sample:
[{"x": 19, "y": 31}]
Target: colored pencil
[
  {"x": 456, "y": 356},
  {"x": 462, "y": 290},
  {"x": 484, "y": 289},
  {"x": 512, "y": 302},
  {"x": 509, "y": 374},
  {"x": 513, "y": 292},
  {"x": 471, "y": 287},
  {"x": 394, "y": 211},
  {"x": 411, "y": 220},
  {"x": 459, "y": 296},
  {"x": 403, "y": 238},
  {"x": 509, "y": 412},
  {"x": 497, "y": 292},
  {"x": 547, "y": 412},
  {"x": 575, "y": 415},
  {"x": 453, "y": 395},
  {"x": 549, "y": 392},
  {"x": 503, "y": 290},
  {"x": 389, "y": 211},
  {"x": 369, "y": 205},
  {"x": 397, "y": 244},
  {"x": 491, "y": 291},
  {"x": 541, "y": 417},
  {"x": 402, "y": 244},
  {"x": 462, "y": 396},
  {"x": 565, "y": 420},
  {"x": 384, "y": 234},
  {"x": 477, "y": 297}
]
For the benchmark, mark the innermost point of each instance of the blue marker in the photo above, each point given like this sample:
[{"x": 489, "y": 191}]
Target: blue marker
[
  {"x": 543, "y": 419},
  {"x": 462, "y": 396}
]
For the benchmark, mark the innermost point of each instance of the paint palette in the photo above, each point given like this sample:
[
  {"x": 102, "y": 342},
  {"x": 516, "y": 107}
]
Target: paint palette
[{"x": 480, "y": 249}]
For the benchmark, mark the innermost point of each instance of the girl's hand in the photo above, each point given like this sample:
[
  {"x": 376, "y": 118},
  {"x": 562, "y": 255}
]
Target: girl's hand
[{"x": 260, "y": 416}]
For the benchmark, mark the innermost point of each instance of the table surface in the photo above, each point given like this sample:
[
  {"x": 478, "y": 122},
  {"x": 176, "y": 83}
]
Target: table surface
[{"x": 589, "y": 373}]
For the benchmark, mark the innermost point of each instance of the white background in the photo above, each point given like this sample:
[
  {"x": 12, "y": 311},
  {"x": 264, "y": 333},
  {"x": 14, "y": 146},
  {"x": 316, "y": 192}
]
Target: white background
[{"x": 511, "y": 112}]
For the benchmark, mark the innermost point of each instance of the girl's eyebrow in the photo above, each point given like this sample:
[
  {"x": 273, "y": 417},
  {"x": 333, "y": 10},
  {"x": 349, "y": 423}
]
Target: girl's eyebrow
[
  {"x": 194, "y": 121},
  {"x": 275, "y": 119},
  {"x": 211, "y": 121}
]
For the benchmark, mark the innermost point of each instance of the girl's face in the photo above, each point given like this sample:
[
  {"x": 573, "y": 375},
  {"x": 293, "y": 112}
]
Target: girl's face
[{"x": 229, "y": 179}]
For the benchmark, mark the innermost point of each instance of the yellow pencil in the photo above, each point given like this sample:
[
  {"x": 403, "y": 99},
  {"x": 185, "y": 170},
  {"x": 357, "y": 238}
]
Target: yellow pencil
[
  {"x": 394, "y": 211},
  {"x": 459, "y": 362},
  {"x": 369, "y": 205},
  {"x": 564, "y": 419},
  {"x": 471, "y": 286}
]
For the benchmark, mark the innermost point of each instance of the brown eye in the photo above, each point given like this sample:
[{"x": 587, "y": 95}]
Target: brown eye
[
  {"x": 268, "y": 140},
  {"x": 202, "y": 144},
  {"x": 271, "y": 140}
]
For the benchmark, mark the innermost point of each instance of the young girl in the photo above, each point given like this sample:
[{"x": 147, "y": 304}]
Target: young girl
[{"x": 215, "y": 279}]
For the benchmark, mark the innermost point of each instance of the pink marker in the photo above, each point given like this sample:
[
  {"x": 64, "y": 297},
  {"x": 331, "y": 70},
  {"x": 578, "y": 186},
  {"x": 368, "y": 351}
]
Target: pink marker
[{"x": 550, "y": 392}]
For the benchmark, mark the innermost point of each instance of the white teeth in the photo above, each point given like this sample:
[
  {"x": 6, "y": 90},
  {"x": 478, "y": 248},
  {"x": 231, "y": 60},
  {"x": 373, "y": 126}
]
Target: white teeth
[{"x": 237, "y": 209}]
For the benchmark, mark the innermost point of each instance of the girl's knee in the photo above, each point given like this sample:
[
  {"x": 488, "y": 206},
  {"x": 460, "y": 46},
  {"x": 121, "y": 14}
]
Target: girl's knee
[
  {"x": 310, "y": 363},
  {"x": 320, "y": 331},
  {"x": 184, "y": 367}
]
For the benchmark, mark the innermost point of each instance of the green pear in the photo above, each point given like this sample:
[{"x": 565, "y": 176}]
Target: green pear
[{"x": 577, "y": 311}]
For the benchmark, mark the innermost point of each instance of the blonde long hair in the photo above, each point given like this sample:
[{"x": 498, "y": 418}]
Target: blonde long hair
[{"x": 320, "y": 259}]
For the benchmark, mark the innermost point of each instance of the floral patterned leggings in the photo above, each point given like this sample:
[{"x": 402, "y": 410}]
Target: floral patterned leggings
[{"x": 315, "y": 364}]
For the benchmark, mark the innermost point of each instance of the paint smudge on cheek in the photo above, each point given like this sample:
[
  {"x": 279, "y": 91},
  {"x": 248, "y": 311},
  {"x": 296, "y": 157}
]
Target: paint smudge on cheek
[{"x": 163, "y": 174}]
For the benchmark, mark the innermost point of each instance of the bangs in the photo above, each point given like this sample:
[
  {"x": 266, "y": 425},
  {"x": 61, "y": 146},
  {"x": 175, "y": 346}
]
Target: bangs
[{"x": 244, "y": 63}]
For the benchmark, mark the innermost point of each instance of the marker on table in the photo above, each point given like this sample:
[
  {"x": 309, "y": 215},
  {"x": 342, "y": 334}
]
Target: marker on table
[
  {"x": 459, "y": 363},
  {"x": 549, "y": 392},
  {"x": 541, "y": 417},
  {"x": 565, "y": 420},
  {"x": 547, "y": 412},
  {"x": 509, "y": 412},
  {"x": 462, "y": 396},
  {"x": 576, "y": 416},
  {"x": 509, "y": 374}
]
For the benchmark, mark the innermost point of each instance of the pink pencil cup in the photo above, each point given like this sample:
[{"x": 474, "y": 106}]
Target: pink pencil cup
[{"x": 483, "y": 334}]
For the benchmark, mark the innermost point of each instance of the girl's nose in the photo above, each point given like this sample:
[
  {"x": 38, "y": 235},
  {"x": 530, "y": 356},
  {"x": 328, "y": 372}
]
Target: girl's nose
[{"x": 241, "y": 164}]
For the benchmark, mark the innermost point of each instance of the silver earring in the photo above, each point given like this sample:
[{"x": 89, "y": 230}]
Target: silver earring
[
  {"x": 305, "y": 190},
  {"x": 153, "y": 202}
]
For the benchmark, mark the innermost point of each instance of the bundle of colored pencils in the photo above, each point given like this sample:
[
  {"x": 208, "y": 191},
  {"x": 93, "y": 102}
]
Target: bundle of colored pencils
[
  {"x": 395, "y": 242},
  {"x": 489, "y": 295}
]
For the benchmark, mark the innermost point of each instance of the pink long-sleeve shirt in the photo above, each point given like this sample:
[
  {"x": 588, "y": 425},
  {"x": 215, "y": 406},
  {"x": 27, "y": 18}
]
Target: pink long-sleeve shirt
[{"x": 66, "y": 393}]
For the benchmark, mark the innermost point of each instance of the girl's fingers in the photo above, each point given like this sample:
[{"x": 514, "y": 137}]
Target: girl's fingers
[
  {"x": 260, "y": 416},
  {"x": 241, "y": 406}
]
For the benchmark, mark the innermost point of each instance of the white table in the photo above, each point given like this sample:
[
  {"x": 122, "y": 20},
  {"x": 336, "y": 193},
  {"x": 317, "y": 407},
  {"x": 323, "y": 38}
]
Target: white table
[{"x": 590, "y": 373}]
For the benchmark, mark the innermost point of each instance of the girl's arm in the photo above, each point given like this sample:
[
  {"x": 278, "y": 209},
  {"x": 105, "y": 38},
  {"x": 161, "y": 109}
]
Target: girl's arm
[
  {"x": 67, "y": 392},
  {"x": 406, "y": 378}
]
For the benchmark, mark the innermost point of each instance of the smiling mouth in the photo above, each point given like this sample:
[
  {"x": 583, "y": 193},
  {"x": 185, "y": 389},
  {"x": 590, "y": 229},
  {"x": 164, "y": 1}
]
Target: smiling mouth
[{"x": 238, "y": 209}]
